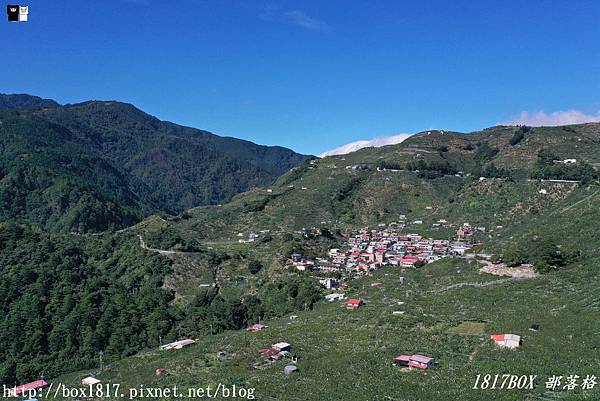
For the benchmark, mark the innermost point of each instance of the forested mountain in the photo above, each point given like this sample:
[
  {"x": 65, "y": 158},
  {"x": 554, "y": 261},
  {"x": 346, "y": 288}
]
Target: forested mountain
[
  {"x": 100, "y": 165},
  {"x": 23, "y": 101}
]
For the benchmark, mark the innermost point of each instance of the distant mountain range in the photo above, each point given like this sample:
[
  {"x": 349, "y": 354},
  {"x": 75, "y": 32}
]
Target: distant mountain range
[{"x": 99, "y": 165}]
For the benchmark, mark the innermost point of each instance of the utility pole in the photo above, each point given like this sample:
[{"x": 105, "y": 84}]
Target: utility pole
[{"x": 101, "y": 362}]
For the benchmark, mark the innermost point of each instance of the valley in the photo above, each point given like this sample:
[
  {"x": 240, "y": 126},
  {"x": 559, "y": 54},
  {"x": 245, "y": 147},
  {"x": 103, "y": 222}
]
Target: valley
[{"x": 425, "y": 248}]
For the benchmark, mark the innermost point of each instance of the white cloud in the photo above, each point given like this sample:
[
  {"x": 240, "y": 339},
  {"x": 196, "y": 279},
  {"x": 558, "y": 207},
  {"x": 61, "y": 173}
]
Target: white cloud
[
  {"x": 305, "y": 21},
  {"x": 376, "y": 142},
  {"x": 295, "y": 17},
  {"x": 565, "y": 117}
]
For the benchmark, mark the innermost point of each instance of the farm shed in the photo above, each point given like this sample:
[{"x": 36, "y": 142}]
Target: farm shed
[
  {"x": 402, "y": 360},
  {"x": 506, "y": 340},
  {"x": 177, "y": 344},
  {"x": 89, "y": 381},
  {"x": 282, "y": 346},
  {"x": 256, "y": 327},
  {"x": 334, "y": 297},
  {"x": 270, "y": 353},
  {"x": 421, "y": 361},
  {"x": 414, "y": 361}
]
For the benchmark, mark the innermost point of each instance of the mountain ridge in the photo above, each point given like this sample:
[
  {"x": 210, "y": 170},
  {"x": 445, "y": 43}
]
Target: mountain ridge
[
  {"x": 164, "y": 167},
  {"x": 25, "y": 101}
]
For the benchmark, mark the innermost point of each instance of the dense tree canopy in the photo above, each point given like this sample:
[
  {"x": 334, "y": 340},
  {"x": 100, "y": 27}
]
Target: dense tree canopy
[
  {"x": 97, "y": 166},
  {"x": 65, "y": 298}
]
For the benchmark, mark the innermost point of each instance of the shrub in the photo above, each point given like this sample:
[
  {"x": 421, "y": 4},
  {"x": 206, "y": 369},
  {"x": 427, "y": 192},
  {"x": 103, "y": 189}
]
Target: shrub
[{"x": 254, "y": 267}]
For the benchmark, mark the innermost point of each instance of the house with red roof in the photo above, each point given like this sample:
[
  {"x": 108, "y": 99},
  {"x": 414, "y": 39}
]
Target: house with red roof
[
  {"x": 256, "y": 327},
  {"x": 270, "y": 354},
  {"x": 354, "y": 303},
  {"x": 506, "y": 340},
  {"x": 24, "y": 388},
  {"x": 414, "y": 361},
  {"x": 408, "y": 261}
]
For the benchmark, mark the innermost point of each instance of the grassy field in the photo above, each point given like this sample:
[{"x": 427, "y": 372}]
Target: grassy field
[{"x": 348, "y": 354}]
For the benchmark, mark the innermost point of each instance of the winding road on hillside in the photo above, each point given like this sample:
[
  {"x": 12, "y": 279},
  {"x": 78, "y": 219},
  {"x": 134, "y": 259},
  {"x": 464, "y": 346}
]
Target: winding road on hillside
[{"x": 161, "y": 251}]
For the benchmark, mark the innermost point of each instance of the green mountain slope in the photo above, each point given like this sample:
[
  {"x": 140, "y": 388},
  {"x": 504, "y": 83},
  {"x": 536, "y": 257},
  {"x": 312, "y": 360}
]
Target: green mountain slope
[
  {"x": 67, "y": 297},
  {"x": 100, "y": 165},
  {"x": 48, "y": 178},
  {"x": 431, "y": 174}
]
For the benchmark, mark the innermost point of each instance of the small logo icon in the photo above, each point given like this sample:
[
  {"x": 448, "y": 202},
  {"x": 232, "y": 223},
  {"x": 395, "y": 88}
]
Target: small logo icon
[
  {"x": 17, "y": 13},
  {"x": 23, "y": 13},
  {"x": 13, "y": 13}
]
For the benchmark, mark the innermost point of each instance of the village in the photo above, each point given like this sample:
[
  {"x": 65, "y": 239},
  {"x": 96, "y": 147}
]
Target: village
[{"x": 366, "y": 250}]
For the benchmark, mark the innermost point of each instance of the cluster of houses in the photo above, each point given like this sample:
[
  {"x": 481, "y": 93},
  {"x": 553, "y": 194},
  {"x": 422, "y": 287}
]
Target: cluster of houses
[{"x": 367, "y": 250}]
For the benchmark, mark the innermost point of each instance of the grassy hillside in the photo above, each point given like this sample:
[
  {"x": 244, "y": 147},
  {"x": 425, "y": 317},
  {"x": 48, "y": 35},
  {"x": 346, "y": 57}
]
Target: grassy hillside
[
  {"x": 348, "y": 354},
  {"x": 376, "y": 185}
]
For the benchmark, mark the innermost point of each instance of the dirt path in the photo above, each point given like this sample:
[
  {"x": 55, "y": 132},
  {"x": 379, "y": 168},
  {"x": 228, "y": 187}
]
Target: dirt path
[
  {"x": 178, "y": 261},
  {"x": 577, "y": 203},
  {"x": 161, "y": 251},
  {"x": 474, "y": 284}
]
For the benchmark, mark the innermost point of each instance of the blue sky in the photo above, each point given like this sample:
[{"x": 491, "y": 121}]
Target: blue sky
[{"x": 313, "y": 75}]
